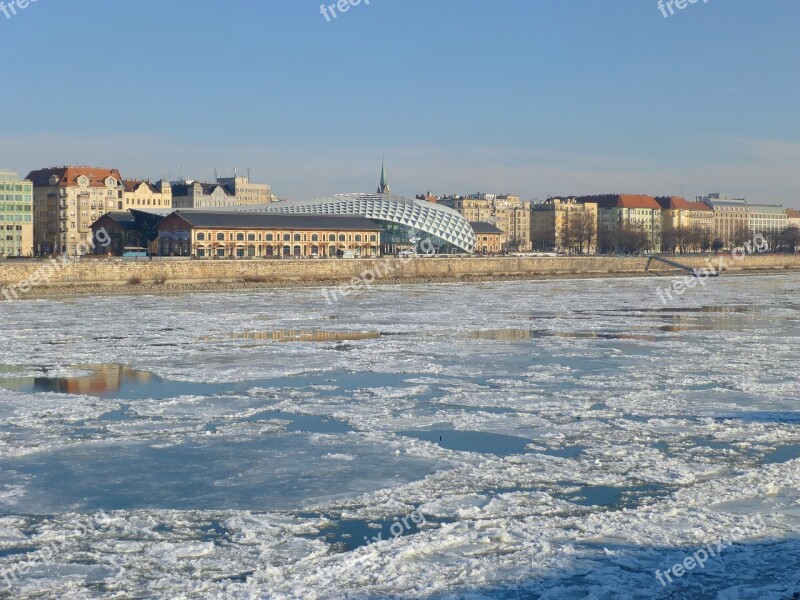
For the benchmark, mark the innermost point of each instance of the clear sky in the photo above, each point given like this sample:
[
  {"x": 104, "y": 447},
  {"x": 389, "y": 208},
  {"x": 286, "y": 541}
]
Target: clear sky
[{"x": 529, "y": 97}]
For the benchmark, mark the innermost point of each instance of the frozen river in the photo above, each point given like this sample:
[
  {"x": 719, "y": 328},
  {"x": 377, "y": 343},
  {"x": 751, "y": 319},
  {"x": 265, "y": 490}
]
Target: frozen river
[{"x": 562, "y": 439}]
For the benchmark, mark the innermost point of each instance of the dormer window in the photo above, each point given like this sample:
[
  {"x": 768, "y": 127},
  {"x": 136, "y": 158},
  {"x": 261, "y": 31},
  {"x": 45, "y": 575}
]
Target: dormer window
[
  {"x": 54, "y": 180},
  {"x": 111, "y": 182},
  {"x": 83, "y": 181}
]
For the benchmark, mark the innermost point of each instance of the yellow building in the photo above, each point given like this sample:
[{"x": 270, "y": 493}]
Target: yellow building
[
  {"x": 143, "y": 195},
  {"x": 564, "y": 224},
  {"x": 267, "y": 235}
]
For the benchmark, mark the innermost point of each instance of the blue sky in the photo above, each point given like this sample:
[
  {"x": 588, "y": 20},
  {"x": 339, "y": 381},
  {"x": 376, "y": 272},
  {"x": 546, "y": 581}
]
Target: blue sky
[{"x": 531, "y": 97}]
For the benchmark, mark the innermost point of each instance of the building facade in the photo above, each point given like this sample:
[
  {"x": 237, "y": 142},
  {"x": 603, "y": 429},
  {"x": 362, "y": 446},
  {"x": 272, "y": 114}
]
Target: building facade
[
  {"x": 16, "y": 216},
  {"x": 792, "y": 217},
  {"x": 143, "y": 195},
  {"x": 618, "y": 210},
  {"x": 767, "y": 220},
  {"x": 508, "y": 213},
  {"x": 488, "y": 238},
  {"x": 66, "y": 201},
  {"x": 554, "y": 220},
  {"x": 735, "y": 218},
  {"x": 227, "y": 191},
  {"x": 248, "y": 235}
]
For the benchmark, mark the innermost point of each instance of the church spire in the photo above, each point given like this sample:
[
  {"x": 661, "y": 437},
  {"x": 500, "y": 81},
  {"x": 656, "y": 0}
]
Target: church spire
[{"x": 384, "y": 186}]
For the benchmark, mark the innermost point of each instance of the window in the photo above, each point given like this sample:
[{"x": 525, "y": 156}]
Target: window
[
  {"x": 332, "y": 237},
  {"x": 314, "y": 237},
  {"x": 358, "y": 237},
  {"x": 269, "y": 237},
  {"x": 287, "y": 237},
  {"x": 239, "y": 237},
  {"x": 342, "y": 237},
  {"x": 221, "y": 238},
  {"x": 201, "y": 237},
  {"x": 251, "y": 237},
  {"x": 297, "y": 237}
]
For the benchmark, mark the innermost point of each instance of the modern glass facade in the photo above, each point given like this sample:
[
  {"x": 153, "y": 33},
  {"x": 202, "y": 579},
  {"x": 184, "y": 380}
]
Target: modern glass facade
[{"x": 16, "y": 216}]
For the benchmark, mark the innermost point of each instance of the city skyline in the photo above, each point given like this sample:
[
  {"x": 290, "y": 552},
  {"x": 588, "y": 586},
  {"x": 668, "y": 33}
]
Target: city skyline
[{"x": 533, "y": 100}]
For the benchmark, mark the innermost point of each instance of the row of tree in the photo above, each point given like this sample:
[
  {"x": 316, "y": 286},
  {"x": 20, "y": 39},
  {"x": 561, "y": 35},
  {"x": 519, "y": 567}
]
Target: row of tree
[{"x": 579, "y": 235}]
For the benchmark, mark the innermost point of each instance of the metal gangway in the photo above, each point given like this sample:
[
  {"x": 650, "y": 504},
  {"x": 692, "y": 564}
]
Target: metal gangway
[{"x": 677, "y": 265}]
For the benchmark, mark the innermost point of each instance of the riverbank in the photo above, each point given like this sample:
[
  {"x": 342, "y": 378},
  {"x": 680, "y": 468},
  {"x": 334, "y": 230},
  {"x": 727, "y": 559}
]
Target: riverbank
[{"x": 46, "y": 280}]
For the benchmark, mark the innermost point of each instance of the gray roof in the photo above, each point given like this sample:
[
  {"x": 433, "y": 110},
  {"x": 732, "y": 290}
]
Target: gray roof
[
  {"x": 234, "y": 220},
  {"x": 484, "y": 227}
]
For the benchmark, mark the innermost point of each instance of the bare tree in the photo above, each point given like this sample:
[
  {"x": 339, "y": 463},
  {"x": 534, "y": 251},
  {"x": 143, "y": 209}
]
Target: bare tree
[{"x": 789, "y": 238}]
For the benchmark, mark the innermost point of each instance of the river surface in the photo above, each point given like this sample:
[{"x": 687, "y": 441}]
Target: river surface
[{"x": 559, "y": 439}]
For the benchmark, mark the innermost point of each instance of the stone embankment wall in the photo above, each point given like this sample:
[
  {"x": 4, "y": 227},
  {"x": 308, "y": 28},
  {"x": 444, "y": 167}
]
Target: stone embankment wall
[{"x": 115, "y": 272}]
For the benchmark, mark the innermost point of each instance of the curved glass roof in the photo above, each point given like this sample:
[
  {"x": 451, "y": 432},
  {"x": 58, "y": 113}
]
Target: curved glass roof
[{"x": 433, "y": 219}]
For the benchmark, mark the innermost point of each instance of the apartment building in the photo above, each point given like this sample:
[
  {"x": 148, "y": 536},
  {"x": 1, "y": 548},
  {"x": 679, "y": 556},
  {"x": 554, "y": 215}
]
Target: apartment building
[
  {"x": 227, "y": 191},
  {"x": 616, "y": 210},
  {"x": 792, "y": 217},
  {"x": 508, "y": 213},
  {"x": 16, "y": 215},
  {"x": 143, "y": 195},
  {"x": 555, "y": 219},
  {"x": 676, "y": 212},
  {"x": 67, "y": 200},
  {"x": 701, "y": 215}
]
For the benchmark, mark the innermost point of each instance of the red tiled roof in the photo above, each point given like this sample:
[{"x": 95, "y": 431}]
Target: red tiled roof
[
  {"x": 793, "y": 213},
  {"x": 622, "y": 201},
  {"x": 68, "y": 176},
  {"x": 673, "y": 203},
  {"x": 699, "y": 206}
]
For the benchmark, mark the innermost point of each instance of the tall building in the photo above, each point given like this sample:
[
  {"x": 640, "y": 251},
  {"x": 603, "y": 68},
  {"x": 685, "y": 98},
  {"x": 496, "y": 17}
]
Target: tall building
[
  {"x": 556, "y": 219},
  {"x": 701, "y": 215},
  {"x": 67, "y": 200},
  {"x": 227, "y": 191},
  {"x": 508, "y": 213},
  {"x": 616, "y": 210},
  {"x": 16, "y": 215},
  {"x": 143, "y": 195}
]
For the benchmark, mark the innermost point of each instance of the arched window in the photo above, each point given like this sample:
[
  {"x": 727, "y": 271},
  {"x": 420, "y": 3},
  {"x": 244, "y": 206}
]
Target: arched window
[
  {"x": 297, "y": 237},
  {"x": 287, "y": 237},
  {"x": 239, "y": 237},
  {"x": 314, "y": 237},
  {"x": 332, "y": 237},
  {"x": 373, "y": 238},
  {"x": 220, "y": 237},
  {"x": 251, "y": 237},
  {"x": 269, "y": 237},
  {"x": 201, "y": 237},
  {"x": 341, "y": 237},
  {"x": 297, "y": 250},
  {"x": 358, "y": 237}
]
